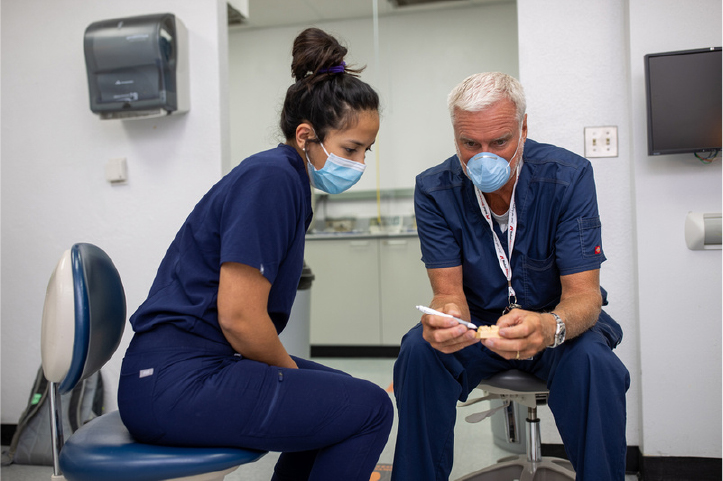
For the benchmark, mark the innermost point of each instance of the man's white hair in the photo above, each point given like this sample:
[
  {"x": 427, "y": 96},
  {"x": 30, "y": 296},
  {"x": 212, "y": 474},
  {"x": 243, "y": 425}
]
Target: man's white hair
[{"x": 480, "y": 91}]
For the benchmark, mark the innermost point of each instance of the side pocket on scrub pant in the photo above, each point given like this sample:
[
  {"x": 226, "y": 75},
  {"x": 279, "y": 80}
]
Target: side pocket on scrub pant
[
  {"x": 136, "y": 391},
  {"x": 274, "y": 400}
]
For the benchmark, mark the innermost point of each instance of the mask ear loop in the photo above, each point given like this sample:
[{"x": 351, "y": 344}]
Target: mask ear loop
[
  {"x": 518, "y": 167},
  {"x": 322, "y": 146},
  {"x": 317, "y": 139},
  {"x": 308, "y": 160},
  {"x": 310, "y": 167}
]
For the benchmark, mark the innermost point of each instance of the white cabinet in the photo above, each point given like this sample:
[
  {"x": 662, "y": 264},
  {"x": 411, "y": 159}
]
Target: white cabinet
[
  {"x": 365, "y": 289},
  {"x": 403, "y": 284},
  {"x": 345, "y": 291}
]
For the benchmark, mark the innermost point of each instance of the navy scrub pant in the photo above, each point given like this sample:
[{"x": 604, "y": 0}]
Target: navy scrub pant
[
  {"x": 587, "y": 384},
  {"x": 180, "y": 389}
]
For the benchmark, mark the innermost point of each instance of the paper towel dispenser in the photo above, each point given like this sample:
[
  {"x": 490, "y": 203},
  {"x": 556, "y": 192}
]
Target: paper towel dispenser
[{"x": 137, "y": 66}]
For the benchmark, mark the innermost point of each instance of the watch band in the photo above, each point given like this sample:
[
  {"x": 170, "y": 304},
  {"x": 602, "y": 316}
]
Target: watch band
[{"x": 559, "y": 331}]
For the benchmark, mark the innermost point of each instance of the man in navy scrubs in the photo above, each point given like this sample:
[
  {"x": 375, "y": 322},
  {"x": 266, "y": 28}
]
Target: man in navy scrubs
[{"x": 510, "y": 235}]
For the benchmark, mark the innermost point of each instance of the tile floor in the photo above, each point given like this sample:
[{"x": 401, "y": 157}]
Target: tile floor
[{"x": 474, "y": 447}]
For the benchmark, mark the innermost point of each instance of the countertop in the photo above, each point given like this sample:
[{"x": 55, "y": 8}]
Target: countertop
[{"x": 359, "y": 235}]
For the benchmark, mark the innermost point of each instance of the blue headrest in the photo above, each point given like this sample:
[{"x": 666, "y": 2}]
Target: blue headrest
[{"x": 100, "y": 312}]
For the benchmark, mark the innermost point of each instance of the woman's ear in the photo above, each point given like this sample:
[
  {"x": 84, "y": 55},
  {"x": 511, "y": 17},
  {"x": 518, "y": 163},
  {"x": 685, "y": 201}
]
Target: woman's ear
[{"x": 304, "y": 133}]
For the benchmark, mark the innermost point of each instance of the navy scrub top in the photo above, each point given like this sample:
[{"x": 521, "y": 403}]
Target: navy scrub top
[
  {"x": 256, "y": 215},
  {"x": 558, "y": 230}
]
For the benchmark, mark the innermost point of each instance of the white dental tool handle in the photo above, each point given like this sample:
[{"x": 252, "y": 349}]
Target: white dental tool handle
[{"x": 432, "y": 312}]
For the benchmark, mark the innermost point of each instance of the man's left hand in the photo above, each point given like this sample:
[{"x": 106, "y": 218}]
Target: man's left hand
[{"x": 522, "y": 334}]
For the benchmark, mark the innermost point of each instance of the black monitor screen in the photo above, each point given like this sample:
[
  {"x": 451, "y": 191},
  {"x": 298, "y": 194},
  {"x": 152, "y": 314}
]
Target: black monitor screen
[{"x": 684, "y": 101}]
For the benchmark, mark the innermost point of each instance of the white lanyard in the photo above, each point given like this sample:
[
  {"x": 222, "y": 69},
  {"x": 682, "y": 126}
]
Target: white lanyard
[{"x": 502, "y": 258}]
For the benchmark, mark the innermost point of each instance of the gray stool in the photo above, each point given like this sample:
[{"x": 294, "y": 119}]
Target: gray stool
[{"x": 526, "y": 389}]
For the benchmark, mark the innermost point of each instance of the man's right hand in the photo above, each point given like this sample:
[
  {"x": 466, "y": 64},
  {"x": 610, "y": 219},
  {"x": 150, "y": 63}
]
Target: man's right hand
[{"x": 444, "y": 334}]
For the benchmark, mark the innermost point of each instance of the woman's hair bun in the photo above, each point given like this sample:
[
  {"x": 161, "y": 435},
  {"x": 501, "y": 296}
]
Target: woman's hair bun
[
  {"x": 327, "y": 93},
  {"x": 316, "y": 50}
]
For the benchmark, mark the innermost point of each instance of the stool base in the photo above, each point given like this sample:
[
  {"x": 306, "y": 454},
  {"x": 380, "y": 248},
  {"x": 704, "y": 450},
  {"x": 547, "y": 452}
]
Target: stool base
[{"x": 519, "y": 467}]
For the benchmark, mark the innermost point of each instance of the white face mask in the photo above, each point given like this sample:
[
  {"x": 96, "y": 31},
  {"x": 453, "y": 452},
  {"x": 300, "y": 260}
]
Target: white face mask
[{"x": 337, "y": 175}]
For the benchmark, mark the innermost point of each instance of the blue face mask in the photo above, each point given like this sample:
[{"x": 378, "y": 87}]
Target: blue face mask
[
  {"x": 488, "y": 171},
  {"x": 337, "y": 175}
]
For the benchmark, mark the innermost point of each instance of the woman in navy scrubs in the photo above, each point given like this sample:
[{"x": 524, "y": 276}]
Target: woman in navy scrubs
[{"x": 205, "y": 366}]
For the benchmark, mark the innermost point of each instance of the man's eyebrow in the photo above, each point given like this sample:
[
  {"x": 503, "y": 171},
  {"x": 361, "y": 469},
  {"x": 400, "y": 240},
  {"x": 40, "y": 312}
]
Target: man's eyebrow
[{"x": 506, "y": 136}]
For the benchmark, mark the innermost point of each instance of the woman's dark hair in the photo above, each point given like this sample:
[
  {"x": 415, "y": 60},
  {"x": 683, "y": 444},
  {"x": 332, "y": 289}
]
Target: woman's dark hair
[{"x": 328, "y": 94}]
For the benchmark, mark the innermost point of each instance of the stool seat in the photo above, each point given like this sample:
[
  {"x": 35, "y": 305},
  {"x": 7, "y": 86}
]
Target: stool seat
[
  {"x": 104, "y": 450},
  {"x": 514, "y": 381}
]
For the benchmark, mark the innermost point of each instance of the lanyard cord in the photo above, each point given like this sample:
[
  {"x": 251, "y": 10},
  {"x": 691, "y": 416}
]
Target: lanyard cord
[{"x": 502, "y": 257}]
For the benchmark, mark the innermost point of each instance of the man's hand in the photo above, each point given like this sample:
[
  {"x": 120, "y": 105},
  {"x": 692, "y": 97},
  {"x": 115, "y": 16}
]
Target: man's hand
[
  {"x": 522, "y": 334},
  {"x": 444, "y": 334},
  {"x": 526, "y": 333}
]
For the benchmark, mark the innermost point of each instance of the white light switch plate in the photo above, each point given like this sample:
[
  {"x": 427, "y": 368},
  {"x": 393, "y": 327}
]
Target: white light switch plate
[
  {"x": 601, "y": 141},
  {"x": 116, "y": 170}
]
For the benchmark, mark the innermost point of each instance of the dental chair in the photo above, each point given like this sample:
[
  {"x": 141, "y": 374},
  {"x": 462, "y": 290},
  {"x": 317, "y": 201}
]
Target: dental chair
[
  {"x": 83, "y": 320},
  {"x": 526, "y": 389}
]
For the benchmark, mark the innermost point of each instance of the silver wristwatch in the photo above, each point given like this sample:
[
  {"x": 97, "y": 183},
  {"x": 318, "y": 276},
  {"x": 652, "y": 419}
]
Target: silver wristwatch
[{"x": 559, "y": 332}]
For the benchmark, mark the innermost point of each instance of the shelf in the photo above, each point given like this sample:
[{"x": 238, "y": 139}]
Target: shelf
[
  {"x": 365, "y": 195},
  {"x": 358, "y": 235}
]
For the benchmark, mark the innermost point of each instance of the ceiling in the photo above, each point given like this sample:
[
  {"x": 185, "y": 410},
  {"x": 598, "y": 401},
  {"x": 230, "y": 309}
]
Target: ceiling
[{"x": 274, "y": 13}]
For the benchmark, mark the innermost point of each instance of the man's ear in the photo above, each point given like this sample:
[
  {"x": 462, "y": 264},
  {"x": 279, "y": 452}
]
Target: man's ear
[{"x": 304, "y": 133}]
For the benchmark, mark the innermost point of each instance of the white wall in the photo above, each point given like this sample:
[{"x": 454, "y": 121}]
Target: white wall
[
  {"x": 573, "y": 65},
  {"x": 582, "y": 65},
  {"x": 680, "y": 290},
  {"x": 54, "y": 152}
]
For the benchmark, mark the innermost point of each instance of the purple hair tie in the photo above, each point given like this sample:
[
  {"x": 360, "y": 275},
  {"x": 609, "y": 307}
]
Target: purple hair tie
[{"x": 336, "y": 69}]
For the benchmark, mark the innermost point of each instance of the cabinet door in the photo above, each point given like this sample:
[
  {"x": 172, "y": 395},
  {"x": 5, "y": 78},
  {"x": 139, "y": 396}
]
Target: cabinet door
[
  {"x": 345, "y": 292},
  {"x": 403, "y": 285}
]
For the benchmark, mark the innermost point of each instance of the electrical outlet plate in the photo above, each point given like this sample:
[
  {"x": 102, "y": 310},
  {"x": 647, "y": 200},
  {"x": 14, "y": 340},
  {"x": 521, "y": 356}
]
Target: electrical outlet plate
[{"x": 601, "y": 141}]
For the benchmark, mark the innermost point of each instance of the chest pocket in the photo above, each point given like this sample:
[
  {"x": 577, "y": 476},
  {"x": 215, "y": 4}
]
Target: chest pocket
[{"x": 540, "y": 283}]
